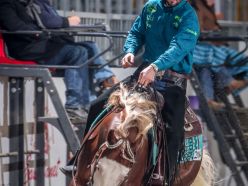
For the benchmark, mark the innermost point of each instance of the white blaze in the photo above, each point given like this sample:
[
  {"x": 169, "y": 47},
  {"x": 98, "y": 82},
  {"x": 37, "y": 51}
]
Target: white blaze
[{"x": 109, "y": 173}]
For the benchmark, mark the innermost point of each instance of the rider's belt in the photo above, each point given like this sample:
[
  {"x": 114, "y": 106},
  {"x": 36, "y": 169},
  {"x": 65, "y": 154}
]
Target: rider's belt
[
  {"x": 172, "y": 78},
  {"x": 172, "y": 73}
]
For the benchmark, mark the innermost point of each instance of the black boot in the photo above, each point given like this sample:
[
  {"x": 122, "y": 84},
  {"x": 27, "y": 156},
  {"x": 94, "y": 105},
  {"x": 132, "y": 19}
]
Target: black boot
[{"x": 68, "y": 169}]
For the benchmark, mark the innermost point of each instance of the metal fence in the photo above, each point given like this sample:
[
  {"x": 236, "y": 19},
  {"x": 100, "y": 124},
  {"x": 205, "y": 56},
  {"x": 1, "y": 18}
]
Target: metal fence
[
  {"x": 112, "y": 22},
  {"x": 225, "y": 9},
  {"x": 123, "y": 22},
  {"x": 100, "y": 6}
]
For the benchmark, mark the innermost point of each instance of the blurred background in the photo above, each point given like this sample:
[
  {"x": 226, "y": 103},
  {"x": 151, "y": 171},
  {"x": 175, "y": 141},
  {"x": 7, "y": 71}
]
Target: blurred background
[{"x": 229, "y": 127}]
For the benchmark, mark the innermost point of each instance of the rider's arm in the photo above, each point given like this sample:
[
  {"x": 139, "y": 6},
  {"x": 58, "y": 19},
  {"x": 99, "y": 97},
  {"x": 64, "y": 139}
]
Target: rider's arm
[
  {"x": 49, "y": 16},
  {"x": 182, "y": 44},
  {"x": 136, "y": 37}
]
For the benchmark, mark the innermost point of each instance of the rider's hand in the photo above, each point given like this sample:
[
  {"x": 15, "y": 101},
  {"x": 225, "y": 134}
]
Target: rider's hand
[
  {"x": 127, "y": 60},
  {"x": 147, "y": 76},
  {"x": 74, "y": 20}
]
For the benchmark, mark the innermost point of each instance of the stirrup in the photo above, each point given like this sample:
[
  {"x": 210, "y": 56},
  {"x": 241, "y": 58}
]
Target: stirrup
[{"x": 67, "y": 170}]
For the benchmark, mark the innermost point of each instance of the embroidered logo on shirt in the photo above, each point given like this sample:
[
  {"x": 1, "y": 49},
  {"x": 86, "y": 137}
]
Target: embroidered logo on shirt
[
  {"x": 177, "y": 20},
  {"x": 151, "y": 9},
  {"x": 191, "y": 32}
]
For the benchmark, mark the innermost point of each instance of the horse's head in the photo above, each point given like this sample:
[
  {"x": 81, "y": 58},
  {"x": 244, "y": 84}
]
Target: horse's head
[
  {"x": 116, "y": 151},
  {"x": 125, "y": 151},
  {"x": 138, "y": 109}
]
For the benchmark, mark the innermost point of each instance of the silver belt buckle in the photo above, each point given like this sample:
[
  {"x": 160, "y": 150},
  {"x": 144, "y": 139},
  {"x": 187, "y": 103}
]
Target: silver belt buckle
[{"x": 160, "y": 74}]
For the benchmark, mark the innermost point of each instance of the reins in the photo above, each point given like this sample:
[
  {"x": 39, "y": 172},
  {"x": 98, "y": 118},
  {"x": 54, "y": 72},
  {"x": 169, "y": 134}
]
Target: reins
[
  {"x": 126, "y": 151},
  {"x": 158, "y": 126},
  {"x": 95, "y": 124},
  {"x": 125, "y": 144}
]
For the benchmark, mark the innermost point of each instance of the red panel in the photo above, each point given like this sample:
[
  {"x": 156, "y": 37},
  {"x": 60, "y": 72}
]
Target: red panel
[
  {"x": 6, "y": 60},
  {"x": 2, "y": 52}
]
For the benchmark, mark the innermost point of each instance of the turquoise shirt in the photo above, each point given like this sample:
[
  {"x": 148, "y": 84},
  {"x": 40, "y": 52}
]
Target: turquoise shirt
[{"x": 169, "y": 35}]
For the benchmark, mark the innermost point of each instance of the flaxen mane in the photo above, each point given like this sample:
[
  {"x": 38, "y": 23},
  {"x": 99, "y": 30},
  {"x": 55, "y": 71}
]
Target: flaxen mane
[{"x": 139, "y": 113}]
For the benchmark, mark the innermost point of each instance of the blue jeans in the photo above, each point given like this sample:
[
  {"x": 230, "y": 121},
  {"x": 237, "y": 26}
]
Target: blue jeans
[
  {"x": 100, "y": 74},
  {"x": 96, "y": 76},
  {"x": 208, "y": 79},
  {"x": 211, "y": 55},
  {"x": 76, "y": 80}
]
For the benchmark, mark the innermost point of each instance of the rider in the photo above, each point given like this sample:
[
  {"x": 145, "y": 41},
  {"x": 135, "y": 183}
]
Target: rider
[{"x": 169, "y": 30}]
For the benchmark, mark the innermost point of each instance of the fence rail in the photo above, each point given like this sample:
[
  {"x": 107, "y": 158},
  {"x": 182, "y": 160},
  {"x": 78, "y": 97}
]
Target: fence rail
[
  {"x": 123, "y": 22},
  {"x": 227, "y": 10},
  {"x": 101, "y": 6}
]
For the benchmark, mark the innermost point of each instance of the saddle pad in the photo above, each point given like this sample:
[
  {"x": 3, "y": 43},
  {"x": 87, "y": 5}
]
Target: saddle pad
[{"x": 193, "y": 147}]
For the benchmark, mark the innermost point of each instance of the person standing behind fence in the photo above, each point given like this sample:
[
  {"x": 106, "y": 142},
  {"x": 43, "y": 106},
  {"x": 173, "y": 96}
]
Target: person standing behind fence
[
  {"x": 169, "y": 31},
  {"x": 210, "y": 58},
  {"x": 14, "y": 16},
  {"x": 50, "y": 19}
]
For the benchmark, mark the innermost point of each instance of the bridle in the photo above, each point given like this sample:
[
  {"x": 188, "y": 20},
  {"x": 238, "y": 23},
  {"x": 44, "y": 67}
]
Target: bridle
[
  {"x": 126, "y": 151},
  {"x": 109, "y": 109}
]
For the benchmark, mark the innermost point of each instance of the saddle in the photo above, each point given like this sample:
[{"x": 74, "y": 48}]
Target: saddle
[{"x": 190, "y": 162}]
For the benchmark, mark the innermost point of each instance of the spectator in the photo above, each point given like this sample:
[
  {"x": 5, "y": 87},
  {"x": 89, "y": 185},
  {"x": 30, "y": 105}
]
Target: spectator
[
  {"x": 14, "y": 16},
  {"x": 214, "y": 55},
  {"x": 52, "y": 20}
]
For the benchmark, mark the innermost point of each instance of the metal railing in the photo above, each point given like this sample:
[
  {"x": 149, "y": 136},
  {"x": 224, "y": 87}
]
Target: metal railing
[
  {"x": 70, "y": 32},
  {"x": 123, "y": 23},
  {"x": 101, "y": 6}
]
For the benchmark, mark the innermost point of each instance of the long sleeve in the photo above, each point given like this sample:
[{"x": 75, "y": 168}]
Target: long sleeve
[
  {"x": 136, "y": 37},
  {"x": 10, "y": 20},
  {"x": 181, "y": 44},
  {"x": 49, "y": 16}
]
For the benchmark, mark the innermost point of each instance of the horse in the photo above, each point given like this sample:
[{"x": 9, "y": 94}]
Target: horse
[{"x": 117, "y": 150}]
